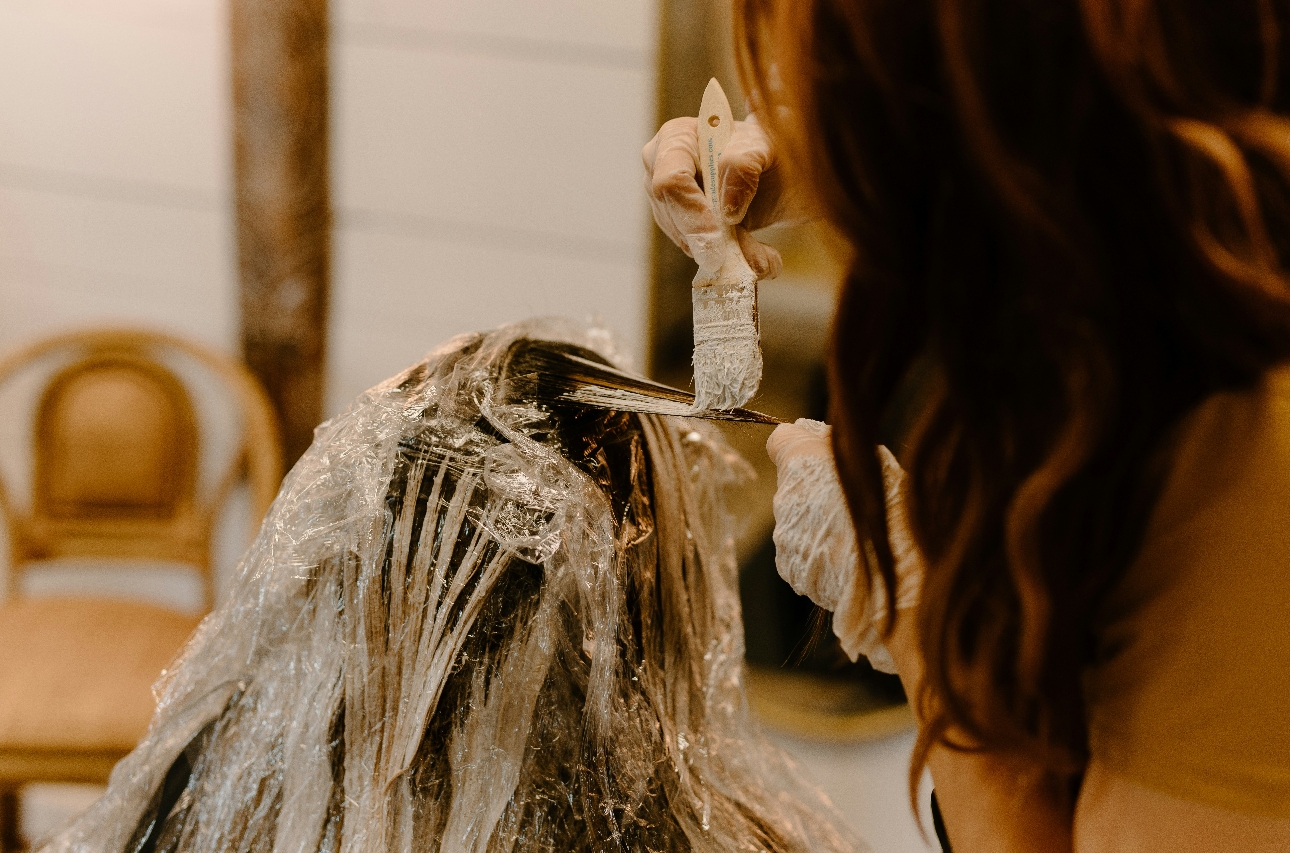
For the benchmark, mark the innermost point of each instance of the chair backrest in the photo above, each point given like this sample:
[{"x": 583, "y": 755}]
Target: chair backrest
[{"x": 117, "y": 453}]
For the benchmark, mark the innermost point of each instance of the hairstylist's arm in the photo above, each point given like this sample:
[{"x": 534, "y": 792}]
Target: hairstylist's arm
[
  {"x": 754, "y": 192},
  {"x": 988, "y": 804}
]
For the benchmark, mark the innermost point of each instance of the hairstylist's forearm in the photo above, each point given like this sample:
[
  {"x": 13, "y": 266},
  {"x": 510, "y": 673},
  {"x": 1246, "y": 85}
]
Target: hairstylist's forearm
[{"x": 990, "y": 804}]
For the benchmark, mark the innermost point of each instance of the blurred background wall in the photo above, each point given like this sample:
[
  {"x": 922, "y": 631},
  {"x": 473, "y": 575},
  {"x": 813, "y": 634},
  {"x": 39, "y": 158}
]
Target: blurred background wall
[
  {"x": 114, "y": 168},
  {"x": 484, "y": 169}
]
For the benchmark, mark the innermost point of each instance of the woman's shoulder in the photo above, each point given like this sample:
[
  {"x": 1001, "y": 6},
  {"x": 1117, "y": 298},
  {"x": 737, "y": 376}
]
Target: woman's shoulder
[
  {"x": 1192, "y": 668},
  {"x": 1231, "y": 461}
]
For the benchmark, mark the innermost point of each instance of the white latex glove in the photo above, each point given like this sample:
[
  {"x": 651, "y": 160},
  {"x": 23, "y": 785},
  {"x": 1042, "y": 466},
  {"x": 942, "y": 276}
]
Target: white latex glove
[
  {"x": 815, "y": 542},
  {"x": 753, "y": 192}
]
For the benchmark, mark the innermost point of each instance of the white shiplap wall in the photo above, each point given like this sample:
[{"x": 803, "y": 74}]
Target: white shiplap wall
[
  {"x": 114, "y": 168},
  {"x": 497, "y": 179},
  {"x": 485, "y": 169}
]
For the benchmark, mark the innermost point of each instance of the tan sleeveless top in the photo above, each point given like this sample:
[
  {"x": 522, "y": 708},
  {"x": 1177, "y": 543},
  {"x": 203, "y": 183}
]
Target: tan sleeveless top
[{"x": 1191, "y": 691}]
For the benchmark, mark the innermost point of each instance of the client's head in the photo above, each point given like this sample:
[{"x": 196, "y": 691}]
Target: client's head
[{"x": 473, "y": 621}]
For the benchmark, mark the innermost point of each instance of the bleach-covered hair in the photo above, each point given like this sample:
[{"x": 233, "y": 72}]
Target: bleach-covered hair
[{"x": 473, "y": 623}]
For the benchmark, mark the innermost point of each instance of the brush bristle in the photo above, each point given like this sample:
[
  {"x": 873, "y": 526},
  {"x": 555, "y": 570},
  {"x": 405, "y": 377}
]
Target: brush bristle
[{"x": 544, "y": 373}]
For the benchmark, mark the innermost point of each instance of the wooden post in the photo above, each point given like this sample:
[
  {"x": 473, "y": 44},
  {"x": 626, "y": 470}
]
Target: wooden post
[{"x": 283, "y": 208}]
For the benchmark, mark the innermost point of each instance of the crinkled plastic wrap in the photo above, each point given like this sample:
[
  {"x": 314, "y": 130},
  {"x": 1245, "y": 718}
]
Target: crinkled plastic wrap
[{"x": 472, "y": 624}]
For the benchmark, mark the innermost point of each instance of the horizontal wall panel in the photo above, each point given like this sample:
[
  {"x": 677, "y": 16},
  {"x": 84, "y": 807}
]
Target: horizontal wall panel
[
  {"x": 202, "y": 15},
  {"x": 397, "y": 297},
  {"x": 537, "y": 149},
  {"x": 52, "y": 299},
  {"x": 73, "y": 260},
  {"x": 84, "y": 93},
  {"x": 625, "y": 26}
]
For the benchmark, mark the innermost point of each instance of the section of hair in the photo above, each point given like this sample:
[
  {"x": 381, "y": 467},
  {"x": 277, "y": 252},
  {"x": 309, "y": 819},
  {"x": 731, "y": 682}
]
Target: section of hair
[
  {"x": 474, "y": 623},
  {"x": 1074, "y": 216}
]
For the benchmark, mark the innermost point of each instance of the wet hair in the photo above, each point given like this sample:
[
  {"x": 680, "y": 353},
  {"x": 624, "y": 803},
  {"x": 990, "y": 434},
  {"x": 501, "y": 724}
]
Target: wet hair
[
  {"x": 1072, "y": 220},
  {"x": 473, "y": 622}
]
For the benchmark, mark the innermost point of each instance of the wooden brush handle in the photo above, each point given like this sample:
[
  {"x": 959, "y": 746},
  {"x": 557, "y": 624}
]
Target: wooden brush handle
[
  {"x": 727, "y": 354},
  {"x": 716, "y": 125}
]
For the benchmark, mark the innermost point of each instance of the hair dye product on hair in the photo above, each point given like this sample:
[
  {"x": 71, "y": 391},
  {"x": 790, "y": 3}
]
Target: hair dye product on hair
[{"x": 473, "y": 623}]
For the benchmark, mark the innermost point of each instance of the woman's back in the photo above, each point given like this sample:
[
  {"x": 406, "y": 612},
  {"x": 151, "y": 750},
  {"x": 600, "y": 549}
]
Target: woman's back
[{"x": 1188, "y": 688}]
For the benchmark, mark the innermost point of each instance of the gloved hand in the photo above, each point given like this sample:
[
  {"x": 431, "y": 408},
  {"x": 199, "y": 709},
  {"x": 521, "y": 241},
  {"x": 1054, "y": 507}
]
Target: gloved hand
[
  {"x": 754, "y": 193},
  {"x": 815, "y": 542}
]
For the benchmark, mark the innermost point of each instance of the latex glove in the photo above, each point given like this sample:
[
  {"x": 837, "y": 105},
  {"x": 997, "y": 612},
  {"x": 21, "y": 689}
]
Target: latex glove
[
  {"x": 753, "y": 192},
  {"x": 815, "y": 542}
]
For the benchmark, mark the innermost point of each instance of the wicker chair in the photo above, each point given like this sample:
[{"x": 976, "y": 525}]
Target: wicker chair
[{"x": 116, "y": 474}]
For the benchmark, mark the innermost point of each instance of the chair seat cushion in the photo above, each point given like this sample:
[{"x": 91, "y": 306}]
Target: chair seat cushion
[{"x": 77, "y": 673}]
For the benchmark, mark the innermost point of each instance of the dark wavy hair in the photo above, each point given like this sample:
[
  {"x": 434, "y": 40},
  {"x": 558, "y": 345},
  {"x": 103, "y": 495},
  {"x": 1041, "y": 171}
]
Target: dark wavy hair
[{"x": 1074, "y": 217}]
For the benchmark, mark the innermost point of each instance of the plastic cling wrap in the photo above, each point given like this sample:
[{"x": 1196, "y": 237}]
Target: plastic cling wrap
[{"x": 472, "y": 624}]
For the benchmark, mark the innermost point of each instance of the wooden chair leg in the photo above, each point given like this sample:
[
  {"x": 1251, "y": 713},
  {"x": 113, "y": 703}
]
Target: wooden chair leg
[{"x": 11, "y": 821}]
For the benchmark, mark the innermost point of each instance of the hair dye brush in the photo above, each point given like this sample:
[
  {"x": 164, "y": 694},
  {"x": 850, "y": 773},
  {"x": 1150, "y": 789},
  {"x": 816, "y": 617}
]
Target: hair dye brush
[
  {"x": 727, "y": 349},
  {"x": 559, "y": 375},
  {"x": 727, "y": 340}
]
